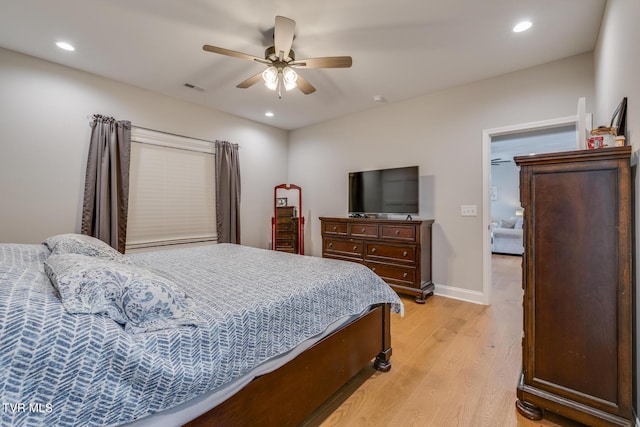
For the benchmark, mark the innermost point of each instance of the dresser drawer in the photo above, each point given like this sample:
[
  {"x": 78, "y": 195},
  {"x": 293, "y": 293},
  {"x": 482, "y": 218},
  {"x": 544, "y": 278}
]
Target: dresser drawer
[
  {"x": 285, "y": 211},
  {"x": 399, "y": 232},
  {"x": 285, "y": 226},
  {"x": 285, "y": 219},
  {"x": 284, "y": 242},
  {"x": 394, "y": 274},
  {"x": 390, "y": 253},
  {"x": 334, "y": 228},
  {"x": 348, "y": 248},
  {"x": 289, "y": 235},
  {"x": 363, "y": 230}
]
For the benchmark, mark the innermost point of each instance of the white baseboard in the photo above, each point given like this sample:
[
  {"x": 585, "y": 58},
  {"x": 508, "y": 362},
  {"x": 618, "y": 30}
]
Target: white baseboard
[{"x": 476, "y": 297}]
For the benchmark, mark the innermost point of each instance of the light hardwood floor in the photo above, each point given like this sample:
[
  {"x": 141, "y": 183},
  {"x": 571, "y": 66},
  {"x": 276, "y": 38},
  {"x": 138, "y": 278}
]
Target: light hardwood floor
[{"x": 454, "y": 363}]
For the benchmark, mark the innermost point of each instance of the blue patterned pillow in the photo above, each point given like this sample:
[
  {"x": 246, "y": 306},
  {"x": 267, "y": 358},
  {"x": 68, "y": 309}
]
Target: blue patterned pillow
[
  {"x": 82, "y": 244},
  {"x": 130, "y": 295}
]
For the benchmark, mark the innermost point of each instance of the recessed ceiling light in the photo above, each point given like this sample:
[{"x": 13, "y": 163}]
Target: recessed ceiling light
[
  {"x": 65, "y": 46},
  {"x": 522, "y": 26},
  {"x": 268, "y": 114}
]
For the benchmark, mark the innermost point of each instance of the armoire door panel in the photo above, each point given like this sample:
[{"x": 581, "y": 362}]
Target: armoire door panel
[{"x": 574, "y": 311}]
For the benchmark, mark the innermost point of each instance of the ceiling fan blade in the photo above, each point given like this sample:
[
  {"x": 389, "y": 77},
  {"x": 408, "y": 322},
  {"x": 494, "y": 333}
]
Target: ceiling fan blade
[
  {"x": 283, "y": 36},
  {"x": 326, "y": 62},
  {"x": 250, "y": 81},
  {"x": 233, "y": 53},
  {"x": 304, "y": 86}
]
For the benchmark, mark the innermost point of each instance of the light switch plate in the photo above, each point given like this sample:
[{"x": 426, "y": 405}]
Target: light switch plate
[{"x": 468, "y": 210}]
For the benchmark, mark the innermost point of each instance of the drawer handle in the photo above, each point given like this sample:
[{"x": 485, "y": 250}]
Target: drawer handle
[
  {"x": 373, "y": 251},
  {"x": 363, "y": 230},
  {"x": 397, "y": 232},
  {"x": 355, "y": 247},
  {"x": 405, "y": 253},
  {"x": 404, "y": 275},
  {"x": 330, "y": 245},
  {"x": 335, "y": 228}
]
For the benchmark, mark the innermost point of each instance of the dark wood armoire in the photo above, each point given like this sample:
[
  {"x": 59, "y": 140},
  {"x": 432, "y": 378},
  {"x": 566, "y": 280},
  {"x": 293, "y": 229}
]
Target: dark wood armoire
[{"x": 577, "y": 346}]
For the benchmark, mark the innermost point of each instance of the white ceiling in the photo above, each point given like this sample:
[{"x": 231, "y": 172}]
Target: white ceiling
[{"x": 400, "y": 49}]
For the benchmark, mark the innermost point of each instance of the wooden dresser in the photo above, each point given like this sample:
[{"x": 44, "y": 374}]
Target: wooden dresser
[
  {"x": 398, "y": 251},
  {"x": 286, "y": 229},
  {"x": 577, "y": 346}
]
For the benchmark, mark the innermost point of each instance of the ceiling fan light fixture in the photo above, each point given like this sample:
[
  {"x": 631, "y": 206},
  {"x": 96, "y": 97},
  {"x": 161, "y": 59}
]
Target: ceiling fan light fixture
[
  {"x": 289, "y": 78},
  {"x": 271, "y": 85},
  {"x": 270, "y": 77}
]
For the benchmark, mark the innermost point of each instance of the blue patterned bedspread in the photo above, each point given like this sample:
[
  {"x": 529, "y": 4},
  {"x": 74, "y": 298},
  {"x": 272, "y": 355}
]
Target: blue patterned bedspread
[{"x": 58, "y": 369}]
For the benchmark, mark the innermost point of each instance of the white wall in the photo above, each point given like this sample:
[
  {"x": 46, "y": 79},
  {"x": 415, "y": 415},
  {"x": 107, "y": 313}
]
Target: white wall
[
  {"x": 44, "y": 136},
  {"x": 442, "y": 133},
  {"x": 617, "y": 63}
]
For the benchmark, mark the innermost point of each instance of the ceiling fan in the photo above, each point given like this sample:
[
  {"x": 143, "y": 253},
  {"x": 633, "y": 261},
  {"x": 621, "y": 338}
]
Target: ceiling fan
[
  {"x": 281, "y": 61},
  {"x": 497, "y": 161}
]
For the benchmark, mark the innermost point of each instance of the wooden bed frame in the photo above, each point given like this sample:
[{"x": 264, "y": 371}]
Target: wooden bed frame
[{"x": 288, "y": 395}]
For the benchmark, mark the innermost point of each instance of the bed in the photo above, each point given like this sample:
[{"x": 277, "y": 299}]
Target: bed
[{"x": 258, "y": 337}]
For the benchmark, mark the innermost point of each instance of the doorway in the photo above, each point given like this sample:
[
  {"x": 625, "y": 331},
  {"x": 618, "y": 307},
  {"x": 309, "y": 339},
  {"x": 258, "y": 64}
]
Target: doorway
[{"x": 522, "y": 139}]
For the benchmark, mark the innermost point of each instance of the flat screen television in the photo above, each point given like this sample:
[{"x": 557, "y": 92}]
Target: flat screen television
[{"x": 384, "y": 191}]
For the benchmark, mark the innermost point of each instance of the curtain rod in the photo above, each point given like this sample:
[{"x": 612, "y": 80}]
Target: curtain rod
[
  {"x": 173, "y": 134},
  {"x": 92, "y": 116}
]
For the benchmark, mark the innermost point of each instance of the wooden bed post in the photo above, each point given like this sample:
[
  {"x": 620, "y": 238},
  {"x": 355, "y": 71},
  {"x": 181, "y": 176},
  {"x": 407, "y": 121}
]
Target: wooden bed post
[{"x": 383, "y": 359}]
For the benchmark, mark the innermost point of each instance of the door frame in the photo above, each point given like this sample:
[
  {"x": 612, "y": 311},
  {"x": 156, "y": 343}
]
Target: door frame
[{"x": 487, "y": 136}]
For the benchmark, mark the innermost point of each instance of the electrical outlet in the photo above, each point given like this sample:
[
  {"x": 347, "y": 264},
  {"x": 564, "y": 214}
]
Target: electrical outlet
[{"x": 469, "y": 210}]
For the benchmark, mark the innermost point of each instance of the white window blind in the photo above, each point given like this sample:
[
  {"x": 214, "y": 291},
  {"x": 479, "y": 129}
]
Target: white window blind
[{"x": 171, "y": 190}]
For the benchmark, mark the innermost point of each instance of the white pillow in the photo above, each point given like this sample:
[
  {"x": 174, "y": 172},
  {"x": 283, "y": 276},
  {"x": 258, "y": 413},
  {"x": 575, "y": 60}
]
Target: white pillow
[
  {"x": 130, "y": 295},
  {"x": 508, "y": 223},
  {"x": 72, "y": 243}
]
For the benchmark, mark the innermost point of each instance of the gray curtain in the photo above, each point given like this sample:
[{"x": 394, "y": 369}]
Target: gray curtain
[
  {"x": 106, "y": 186},
  {"x": 227, "y": 192}
]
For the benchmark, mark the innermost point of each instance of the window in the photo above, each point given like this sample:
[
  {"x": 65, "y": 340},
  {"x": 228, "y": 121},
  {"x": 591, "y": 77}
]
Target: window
[{"x": 171, "y": 190}]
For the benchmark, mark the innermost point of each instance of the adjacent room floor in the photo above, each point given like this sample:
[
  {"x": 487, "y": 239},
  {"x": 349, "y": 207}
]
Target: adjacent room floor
[{"x": 454, "y": 364}]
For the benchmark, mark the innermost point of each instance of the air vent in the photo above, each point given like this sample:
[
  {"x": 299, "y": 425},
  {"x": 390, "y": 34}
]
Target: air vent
[{"x": 190, "y": 86}]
